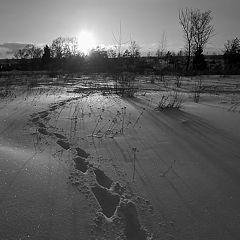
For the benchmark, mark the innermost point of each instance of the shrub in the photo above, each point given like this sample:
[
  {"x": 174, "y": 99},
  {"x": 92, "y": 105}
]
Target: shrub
[{"x": 170, "y": 100}]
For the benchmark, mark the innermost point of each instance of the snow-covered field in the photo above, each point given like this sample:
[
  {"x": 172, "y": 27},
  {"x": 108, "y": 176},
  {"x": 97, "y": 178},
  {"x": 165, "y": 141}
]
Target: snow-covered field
[{"x": 82, "y": 164}]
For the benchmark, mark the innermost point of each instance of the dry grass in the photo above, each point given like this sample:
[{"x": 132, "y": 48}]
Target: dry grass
[{"x": 170, "y": 100}]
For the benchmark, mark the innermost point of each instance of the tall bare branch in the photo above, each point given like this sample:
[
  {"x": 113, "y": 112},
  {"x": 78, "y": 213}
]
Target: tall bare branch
[
  {"x": 203, "y": 28},
  {"x": 186, "y": 21},
  {"x": 197, "y": 29}
]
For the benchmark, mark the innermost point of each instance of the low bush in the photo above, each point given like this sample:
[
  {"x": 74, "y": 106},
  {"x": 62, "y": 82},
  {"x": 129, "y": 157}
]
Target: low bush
[{"x": 170, "y": 100}]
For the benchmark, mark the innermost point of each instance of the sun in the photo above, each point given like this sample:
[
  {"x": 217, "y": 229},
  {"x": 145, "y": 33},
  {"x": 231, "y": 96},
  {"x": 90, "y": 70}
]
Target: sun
[{"x": 86, "y": 41}]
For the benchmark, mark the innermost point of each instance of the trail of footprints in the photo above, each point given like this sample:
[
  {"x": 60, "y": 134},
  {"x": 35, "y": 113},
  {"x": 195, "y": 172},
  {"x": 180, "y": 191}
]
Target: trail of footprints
[{"x": 110, "y": 195}]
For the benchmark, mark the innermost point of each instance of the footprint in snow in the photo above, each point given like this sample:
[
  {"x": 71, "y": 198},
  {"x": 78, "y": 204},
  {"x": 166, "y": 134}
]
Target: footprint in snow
[
  {"x": 106, "y": 199},
  {"x": 43, "y": 131},
  {"x": 63, "y": 144},
  {"x": 60, "y": 136},
  {"x": 81, "y": 164},
  {"x": 102, "y": 179},
  {"x": 82, "y": 153}
]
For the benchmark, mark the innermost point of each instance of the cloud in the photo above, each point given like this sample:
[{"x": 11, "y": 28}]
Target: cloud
[{"x": 7, "y": 50}]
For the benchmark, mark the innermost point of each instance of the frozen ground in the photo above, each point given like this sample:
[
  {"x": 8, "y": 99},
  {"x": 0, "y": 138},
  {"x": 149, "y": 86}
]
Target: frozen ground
[{"x": 88, "y": 165}]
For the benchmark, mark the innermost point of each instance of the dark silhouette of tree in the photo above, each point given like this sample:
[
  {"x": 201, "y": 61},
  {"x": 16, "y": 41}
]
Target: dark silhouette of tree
[
  {"x": 30, "y": 51},
  {"x": 70, "y": 47},
  {"x": 57, "y": 48},
  {"x": 98, "y": 53},
  {"x": 30, "y": 57},
  {"x": 134, "y": 49},
  {"x": 64, "y": 47},
  {"x": 232, "y": 46},
  {"x": 232, "y": 54},
  {"x": 198, "y": 29},
  {"x": 20, "y": 54},
  {"x": 46, "y": 58},
  {"x": 203, "y": 28},
  {"x": 97, "y": 59},
  {"x": 112, "y": 53},
  {"x": 126, "y": 54},
  {"x": 186, "y": 21},
  {"x": 199, "y": 63},
  {"x": 62, "y": 50}
]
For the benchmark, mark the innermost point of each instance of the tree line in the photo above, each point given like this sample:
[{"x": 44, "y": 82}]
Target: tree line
[{"x": 197, "y": 27}]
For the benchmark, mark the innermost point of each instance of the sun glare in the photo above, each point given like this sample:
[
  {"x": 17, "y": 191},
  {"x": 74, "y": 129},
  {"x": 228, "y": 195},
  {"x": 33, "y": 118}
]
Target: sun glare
[{"x": 86, "y": 41}]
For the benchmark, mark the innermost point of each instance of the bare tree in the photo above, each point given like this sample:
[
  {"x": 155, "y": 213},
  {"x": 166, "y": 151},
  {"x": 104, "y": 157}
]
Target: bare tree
[
  {"x": 64, "y": 47},
  {"x": 162, "y": 46},
  {"x": 70, "y": 46},
  {"x": 197, "y": 28},
  {"x": 112, "y": 53},
  {"x": 186, "y": 21},
  {"x": 57, "y": 48},
  {"x": 232, "y": 54},
  {"x": 118, "y": 41},
  {"x": 124, "y": 72},
  {"x": 30, "y": 51},
  {"x": 203, "y": 28},
  {"x": 134, "y": 49},
  {"x": 232, "y": 46}
]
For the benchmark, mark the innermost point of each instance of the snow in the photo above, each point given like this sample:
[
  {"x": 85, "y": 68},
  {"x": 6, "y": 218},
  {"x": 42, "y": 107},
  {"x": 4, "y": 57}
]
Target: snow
[{"x": 67, "y": 166}]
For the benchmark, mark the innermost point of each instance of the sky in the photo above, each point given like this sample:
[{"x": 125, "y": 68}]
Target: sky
[{"x": 145, "y": 21}]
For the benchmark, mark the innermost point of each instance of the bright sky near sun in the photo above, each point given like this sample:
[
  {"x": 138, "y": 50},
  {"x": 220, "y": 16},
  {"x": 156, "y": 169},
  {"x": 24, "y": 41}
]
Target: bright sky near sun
[
  {"x": 39, "y": 22},
  {"x": 86, "y": 41}
]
